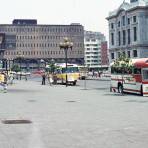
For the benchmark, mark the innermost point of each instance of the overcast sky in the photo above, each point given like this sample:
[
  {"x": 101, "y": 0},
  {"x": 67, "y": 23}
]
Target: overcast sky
[{"x": 90, "y": 13}]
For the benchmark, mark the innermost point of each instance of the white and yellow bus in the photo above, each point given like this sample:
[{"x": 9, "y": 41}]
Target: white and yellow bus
[{"x": 72, "y": 73}]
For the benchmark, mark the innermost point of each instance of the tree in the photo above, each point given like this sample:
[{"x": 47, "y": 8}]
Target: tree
[
  {"x": 123, "y": 63},
  {"x": 52, "y": 67},
  {"x": 16, "y": 68}
]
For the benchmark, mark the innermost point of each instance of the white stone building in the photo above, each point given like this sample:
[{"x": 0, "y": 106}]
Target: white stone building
[
  {"x": 92, "y": 44},
  {"x": 128, "y": 30}
]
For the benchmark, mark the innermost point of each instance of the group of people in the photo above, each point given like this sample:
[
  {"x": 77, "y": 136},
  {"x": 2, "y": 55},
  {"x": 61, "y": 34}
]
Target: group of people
[
  {"x": 3, "y": 81},
  {"x": 6, "y": 77},
  {"x": 52, "y": 79},
  {"x": 96, "y": 73}
]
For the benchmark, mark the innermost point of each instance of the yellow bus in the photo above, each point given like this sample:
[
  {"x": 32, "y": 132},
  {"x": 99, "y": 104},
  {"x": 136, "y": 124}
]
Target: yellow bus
[{"x": 72, "y": 73}]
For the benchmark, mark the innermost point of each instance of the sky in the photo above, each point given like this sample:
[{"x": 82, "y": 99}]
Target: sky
[{"x": 90, "y": 13}]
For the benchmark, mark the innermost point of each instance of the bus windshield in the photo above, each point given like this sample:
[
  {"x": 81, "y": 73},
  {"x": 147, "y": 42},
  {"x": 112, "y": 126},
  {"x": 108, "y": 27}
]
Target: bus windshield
[{"x": 70, "y": 69}]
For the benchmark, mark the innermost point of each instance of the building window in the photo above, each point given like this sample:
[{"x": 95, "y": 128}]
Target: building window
[
  {"x": 112, "y": 38},
  {"x": 128, "y": 21},
  {"x": 123, "y": 20},
  {"x": 134, "y": 53},
  {"x": 134, "y": 19},
  {"x": 119, "y": 38},
  {"x": 124, "y": 37},
  {"x": 129, "y": 37},
  {"x": 112, "y": 26},
  {"x": 119, "y": 24},
  {"x": 128, "y": 54},
  {"x": 112, "y": 55},
  {"x": 135, "y": 33}
]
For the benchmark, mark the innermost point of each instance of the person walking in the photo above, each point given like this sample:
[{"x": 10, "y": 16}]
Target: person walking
[
  {"x": 50, "y": 79},
  {"x": 11, "y": 78},
  {"x": 43, "y": 78}
]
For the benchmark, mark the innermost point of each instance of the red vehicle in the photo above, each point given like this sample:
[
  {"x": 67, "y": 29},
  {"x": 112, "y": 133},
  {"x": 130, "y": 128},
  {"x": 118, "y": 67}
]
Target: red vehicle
[
  {"x": 133, "y": 80},
  {"x": 38, "y": 72}
]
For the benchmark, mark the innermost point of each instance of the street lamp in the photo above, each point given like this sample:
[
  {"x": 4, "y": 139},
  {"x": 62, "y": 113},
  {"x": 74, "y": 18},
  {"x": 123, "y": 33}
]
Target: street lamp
[
  {"x": 66, "y": 45},
  {"x": 52, "y": 66},
  {"x": 20, "y": 58}
]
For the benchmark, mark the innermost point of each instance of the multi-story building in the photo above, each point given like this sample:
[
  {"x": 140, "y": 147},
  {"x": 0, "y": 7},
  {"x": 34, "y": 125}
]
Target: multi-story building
[
  {"x": 128, "y": 30},
  {"x": 36, "y": 42},
  {"x": 92, "y": 43}
]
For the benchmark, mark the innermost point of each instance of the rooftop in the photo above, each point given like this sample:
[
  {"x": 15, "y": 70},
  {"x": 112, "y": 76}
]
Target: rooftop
[{"x": 128, "y": 6}]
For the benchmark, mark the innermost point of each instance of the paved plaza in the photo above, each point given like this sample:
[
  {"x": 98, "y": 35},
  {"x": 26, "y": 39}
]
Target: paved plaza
[{"x": 72, "y": 117}]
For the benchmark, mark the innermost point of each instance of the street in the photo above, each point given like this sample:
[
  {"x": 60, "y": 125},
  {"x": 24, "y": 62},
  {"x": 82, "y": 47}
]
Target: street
[{"x": 82, "y": 116}]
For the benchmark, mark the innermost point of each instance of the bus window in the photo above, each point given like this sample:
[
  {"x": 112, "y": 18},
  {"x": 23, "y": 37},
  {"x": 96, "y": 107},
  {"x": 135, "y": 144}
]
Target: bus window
[
  {"x": 145, "y": 74},
  {"x": 58, "y": 71},
  {"x": 137, "y": 70},
  {"x": 118, "y": 70}
]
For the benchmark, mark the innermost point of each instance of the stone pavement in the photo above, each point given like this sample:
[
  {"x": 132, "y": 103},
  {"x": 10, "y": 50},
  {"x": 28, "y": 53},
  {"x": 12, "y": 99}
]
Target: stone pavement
[{"x": 72, "y": 117}]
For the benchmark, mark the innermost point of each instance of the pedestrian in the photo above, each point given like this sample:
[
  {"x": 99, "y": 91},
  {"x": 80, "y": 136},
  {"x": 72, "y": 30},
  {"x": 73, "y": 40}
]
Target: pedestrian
[
  {"x": 11, "y": 78},
  {"x": 93, "y": 73},
  {"x": 50, "y": 79},
  {"x": 54, "y": 78},
  {"x": 43, "y": 78},
  {"x": 5, "y": 82},
  {"x": 26, "y": 77}
]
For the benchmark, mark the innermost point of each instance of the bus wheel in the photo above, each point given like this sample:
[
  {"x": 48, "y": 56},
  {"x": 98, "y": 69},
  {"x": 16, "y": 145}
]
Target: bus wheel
[
  {"x": 141, "y": 91},
  {"x": 74, "y": 83},
  {"x": 120, "y": 88}
]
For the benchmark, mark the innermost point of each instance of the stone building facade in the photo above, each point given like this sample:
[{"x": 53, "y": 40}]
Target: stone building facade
[
  {"x": 35, "y": 42},
  {"x": 128, "y": 30}
]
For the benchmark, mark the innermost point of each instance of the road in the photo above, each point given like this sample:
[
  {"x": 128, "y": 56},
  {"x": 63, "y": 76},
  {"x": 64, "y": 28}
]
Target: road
[{"x": 72, "y": 117}]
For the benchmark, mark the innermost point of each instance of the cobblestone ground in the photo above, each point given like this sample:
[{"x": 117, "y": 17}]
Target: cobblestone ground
[{"x": 72, "y": 117}]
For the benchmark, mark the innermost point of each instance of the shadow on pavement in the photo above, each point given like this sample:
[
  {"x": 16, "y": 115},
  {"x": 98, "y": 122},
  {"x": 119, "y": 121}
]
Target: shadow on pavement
[
  {"x": 137, "y": 101},
  {"x": 94, "y": 89},
  {"x": 21, "y": 91},
  {"x": 114, "y": 94}
]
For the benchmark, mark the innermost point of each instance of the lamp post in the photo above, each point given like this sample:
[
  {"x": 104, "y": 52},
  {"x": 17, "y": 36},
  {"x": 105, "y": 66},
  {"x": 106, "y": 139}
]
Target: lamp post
[
  {"x": 52, "y": 66},
  {"x": 66, "y": 45},
  {"x": 19, "y": 58}
]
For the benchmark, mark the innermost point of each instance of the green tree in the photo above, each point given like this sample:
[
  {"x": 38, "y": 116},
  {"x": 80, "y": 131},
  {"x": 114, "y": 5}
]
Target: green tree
[
  {"x": 16, "y": 68},
  {"x": 123, "y": 63}
]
